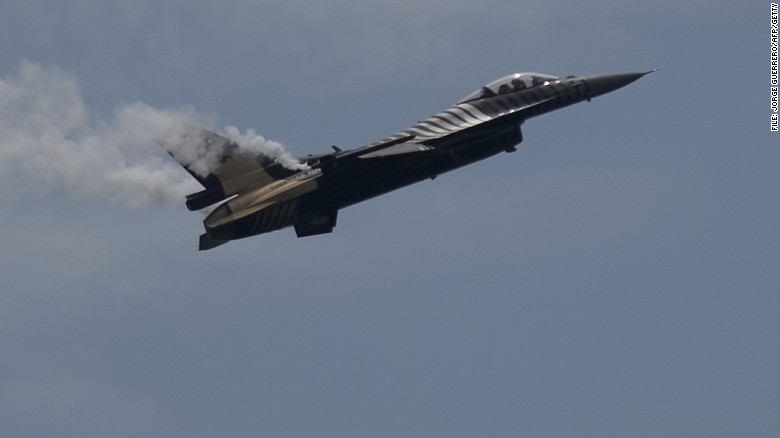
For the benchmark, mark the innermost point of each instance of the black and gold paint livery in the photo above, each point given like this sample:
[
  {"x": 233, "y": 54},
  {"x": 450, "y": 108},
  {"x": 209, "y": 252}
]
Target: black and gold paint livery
[{"x": 259, "y": 195}]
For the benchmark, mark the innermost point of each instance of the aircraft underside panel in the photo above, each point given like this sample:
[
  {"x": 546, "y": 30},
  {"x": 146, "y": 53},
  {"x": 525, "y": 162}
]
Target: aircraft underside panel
[
  {"x": 314, "y": 223},
  {"x": 347, "y": 186}
]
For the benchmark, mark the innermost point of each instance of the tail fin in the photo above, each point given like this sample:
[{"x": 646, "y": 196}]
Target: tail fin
[{"x": 220, "y": 166}]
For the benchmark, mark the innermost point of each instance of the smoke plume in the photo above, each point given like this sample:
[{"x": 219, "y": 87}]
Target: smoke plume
[{"x": 49, "y": 140}]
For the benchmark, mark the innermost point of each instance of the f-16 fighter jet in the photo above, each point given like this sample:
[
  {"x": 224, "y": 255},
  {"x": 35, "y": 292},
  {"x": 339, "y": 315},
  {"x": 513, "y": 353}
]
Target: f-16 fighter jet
[{"x": 259, "y": 194}]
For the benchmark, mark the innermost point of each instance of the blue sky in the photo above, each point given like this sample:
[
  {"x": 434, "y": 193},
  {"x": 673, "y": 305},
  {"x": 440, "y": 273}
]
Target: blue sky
[{"x": 617, "y": 276}]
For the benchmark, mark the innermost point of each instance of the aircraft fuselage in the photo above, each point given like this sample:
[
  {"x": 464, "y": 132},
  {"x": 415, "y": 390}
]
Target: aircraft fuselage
[{"x": 483, "y": 124}]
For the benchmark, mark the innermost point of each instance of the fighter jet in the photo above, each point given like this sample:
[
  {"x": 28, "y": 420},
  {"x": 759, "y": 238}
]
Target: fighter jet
[{"x": 259, "y": 194}]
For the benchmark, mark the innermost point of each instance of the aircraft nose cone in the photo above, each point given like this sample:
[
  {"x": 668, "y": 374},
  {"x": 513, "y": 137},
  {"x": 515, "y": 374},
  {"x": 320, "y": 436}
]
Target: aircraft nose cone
[{"x": 603, "y": 84}]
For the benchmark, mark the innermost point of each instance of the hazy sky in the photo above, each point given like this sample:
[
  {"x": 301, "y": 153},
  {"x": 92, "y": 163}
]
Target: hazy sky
[{"x": 617, "y": 276}]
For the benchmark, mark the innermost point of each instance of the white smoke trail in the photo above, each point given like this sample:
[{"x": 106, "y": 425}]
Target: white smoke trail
[
  {"x": 251, "y": 143},
  {"x": 49, "y": 139}
]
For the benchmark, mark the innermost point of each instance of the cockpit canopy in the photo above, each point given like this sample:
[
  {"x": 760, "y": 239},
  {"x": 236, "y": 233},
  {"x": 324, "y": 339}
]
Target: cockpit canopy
[{"x": 507, "y": 84}]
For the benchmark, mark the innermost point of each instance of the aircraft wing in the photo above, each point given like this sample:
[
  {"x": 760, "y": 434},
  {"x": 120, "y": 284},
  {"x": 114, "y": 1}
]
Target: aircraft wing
[
  {"x": 499, "y": 122},
  {"x": 399, "y": 149}
]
